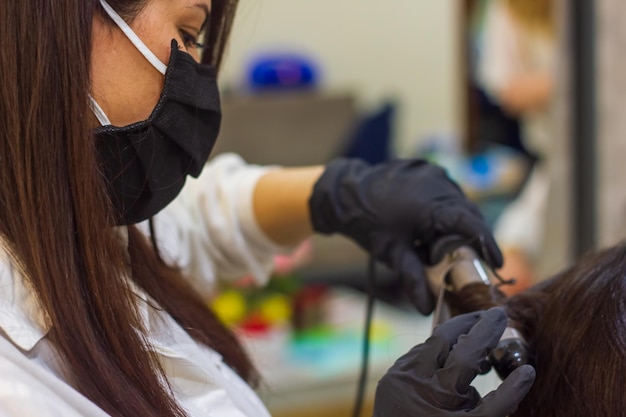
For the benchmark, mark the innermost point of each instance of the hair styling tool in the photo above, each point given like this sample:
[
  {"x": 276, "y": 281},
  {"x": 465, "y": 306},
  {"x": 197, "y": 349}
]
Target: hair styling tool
[{"x": 454, "y": 266}]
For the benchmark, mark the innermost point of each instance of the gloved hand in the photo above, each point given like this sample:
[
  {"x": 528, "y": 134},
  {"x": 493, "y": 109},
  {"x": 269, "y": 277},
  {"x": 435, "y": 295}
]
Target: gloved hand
[
  {"x": 434, "y": 378},
  {"x": 387, "y": 208}
]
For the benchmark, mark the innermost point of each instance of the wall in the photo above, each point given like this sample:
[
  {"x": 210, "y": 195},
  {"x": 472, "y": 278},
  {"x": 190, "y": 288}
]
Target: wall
[
  {"x": 611, "y": 39},
  {"x": 557, "y": 246},
  {"x": 401, "y": 49}
]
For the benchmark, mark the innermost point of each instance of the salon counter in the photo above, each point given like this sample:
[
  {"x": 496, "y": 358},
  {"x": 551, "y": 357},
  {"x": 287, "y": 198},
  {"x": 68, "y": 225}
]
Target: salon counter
[{"x": 318, "y": 375}]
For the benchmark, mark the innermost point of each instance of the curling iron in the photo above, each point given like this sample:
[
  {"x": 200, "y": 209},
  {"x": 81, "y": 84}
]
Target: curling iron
[{"x": 455, "y": 265}]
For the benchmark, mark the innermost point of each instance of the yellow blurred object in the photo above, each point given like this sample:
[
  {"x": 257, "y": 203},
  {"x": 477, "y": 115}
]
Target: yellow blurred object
[
  {"x": 230, "y": 307},
  {"x": 380, "y": 331},
  {"x": 276, "y": 308}
]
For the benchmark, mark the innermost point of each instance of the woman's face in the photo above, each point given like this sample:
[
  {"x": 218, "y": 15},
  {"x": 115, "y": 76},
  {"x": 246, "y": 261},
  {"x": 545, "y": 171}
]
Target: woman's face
[{"x": 124, "y": 83}]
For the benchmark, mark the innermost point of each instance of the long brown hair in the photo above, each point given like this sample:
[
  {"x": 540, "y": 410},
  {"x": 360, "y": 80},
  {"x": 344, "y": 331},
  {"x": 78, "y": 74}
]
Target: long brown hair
[
  {"x": 57, "y": 217},
  {"x": 576, "y": 326}
]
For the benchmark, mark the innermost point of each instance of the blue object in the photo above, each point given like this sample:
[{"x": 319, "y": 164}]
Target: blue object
[
  {"x": 480, "y": 164},
  {"x": 282, "y": 71}
]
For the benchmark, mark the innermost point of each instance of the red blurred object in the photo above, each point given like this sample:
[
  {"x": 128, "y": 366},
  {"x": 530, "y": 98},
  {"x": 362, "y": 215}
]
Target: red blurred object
[
  {"x": 308, "y": 307},
  {"x": 255, "y": 325}
]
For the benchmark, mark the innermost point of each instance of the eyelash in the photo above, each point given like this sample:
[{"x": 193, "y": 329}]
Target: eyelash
[{"x": 190, "y": 41}]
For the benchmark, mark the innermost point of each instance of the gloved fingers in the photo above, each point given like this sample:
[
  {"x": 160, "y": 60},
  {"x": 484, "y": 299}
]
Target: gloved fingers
[
  {"x": 484, "y": 367},
  {"x": 505, "y": 399},
  {"x": 440, "y": 177},
  {"x": 465, "y": 358},
  {"x": 471, "y": 207},
  {"x": 455, "y": 219},
  {"x": 419, "y": 293},
  {"x": 415, "y": 280},
  {"x": 434, "y": 352},
  {"x": 401, "y": 257},
  {"x": 486, "y": 245},
  {"x": 452, "y": 220}
]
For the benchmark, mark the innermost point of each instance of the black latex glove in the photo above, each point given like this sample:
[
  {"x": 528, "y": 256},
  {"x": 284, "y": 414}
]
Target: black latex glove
[
  {"x": 434, "y": 378},
  {"x": 387, "y": 208}
]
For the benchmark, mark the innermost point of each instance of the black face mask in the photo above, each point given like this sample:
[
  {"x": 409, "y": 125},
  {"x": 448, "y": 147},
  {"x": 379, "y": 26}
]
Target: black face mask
[{"x": 146, "y": 163}]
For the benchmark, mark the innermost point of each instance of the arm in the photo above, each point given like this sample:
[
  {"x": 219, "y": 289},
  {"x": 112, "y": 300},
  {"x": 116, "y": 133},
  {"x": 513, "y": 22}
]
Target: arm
[
  {"x": 210, "y": 230},
  {"x": 280, "y": 203},
  {"x": 234, "y": 218}
]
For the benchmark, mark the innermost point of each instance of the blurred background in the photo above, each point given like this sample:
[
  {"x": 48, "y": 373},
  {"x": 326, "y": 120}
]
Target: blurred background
[{"x": 519, "y": 99}]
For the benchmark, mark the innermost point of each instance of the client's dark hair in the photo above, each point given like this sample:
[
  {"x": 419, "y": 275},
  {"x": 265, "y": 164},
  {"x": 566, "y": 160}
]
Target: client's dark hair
[{"x": 575, "y": 324}]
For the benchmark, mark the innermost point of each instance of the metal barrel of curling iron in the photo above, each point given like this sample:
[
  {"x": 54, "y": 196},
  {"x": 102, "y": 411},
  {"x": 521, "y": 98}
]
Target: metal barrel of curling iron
[{"x": 454, "y": 265}]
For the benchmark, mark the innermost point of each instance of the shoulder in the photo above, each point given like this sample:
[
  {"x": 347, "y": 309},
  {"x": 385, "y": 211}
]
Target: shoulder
[
  {"x": 21, "y": 317},
  {"x": 28, "y": 390},
  {"x": 21, "y": 396}
]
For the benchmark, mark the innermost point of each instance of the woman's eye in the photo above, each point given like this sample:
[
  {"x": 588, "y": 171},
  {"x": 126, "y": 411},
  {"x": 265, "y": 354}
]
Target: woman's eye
[{"x": 190, "y": 41}]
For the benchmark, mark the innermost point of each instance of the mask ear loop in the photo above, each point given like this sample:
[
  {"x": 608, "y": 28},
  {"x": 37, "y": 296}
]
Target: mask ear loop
[
  {"x": 147, "y": 53},
  {"x": 98, "y": 112}
]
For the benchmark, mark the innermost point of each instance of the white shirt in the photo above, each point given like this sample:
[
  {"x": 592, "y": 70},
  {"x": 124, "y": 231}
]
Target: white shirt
[{"x": 210, "y": 231}]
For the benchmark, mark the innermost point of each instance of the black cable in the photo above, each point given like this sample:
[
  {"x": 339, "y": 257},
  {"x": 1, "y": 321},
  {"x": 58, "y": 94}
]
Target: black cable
[
  {"x": 369, "y": 311},
  {"x": 153, "y": 240}
]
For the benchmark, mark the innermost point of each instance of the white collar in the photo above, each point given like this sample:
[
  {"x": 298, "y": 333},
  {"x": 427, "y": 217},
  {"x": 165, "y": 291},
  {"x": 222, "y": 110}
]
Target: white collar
[{"x": 22, "y": 318}]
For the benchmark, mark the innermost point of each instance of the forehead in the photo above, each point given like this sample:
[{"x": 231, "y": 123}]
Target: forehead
[
  {"x": 160, "y": 16},
  {"x": 177, "y": 5}
]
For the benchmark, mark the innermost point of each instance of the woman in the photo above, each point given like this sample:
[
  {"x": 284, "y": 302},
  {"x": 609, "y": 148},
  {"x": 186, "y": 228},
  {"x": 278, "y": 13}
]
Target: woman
[
  {"x": 517, "y": 68},
  {"x": 102, "y": 122}
]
